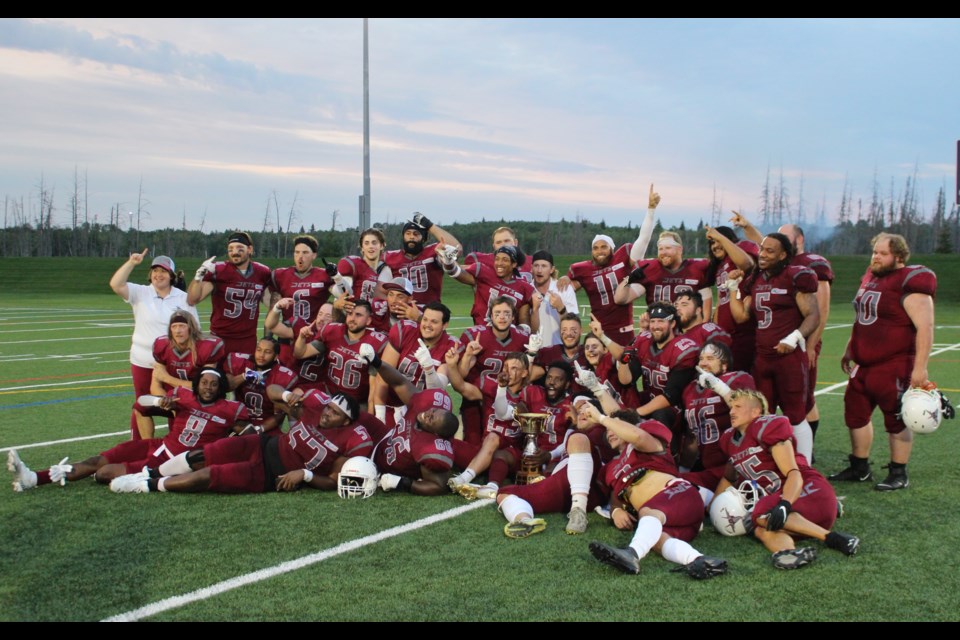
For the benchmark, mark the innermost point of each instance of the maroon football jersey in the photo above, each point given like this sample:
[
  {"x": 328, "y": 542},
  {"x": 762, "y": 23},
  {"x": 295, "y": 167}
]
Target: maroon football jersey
[
  {"x": 816, "y": 263},
  {"x": 404, "y": 338},
  {"x": 346, "y": 372},
  {"x": 253, "y": 396},
  {"x": 707, "y": 331},
  {"x": 486, "y": 259},
  {"x": 599, "y": 283},
  {"x": 182, "y": 364},
  {"x": 679, "y": 353},
  {"x": 490, "y": 360},
  {"x": 309, "y": 292},
  {"x": 662, "y": 284},
  {"x": 738, "y": 331},
  {"x": 630, "y": 464},
  {"x": 236, "y": 299},
  {"x": 750, "y": 452},
  {"x": 196, "y": 424},
  {"x": 708, "y": 416},
  {"x": 774, "y": 305},
  {"x": 882, "y": 329},
  {"x": 423, "y": 271},
  {"x": 625, "y": 394},
  {"x": 489, "y": 286},
  {"x": 406, "y": 447},
  {"x": 364, "y": 278},
  {"x": 308, "y": 447}
]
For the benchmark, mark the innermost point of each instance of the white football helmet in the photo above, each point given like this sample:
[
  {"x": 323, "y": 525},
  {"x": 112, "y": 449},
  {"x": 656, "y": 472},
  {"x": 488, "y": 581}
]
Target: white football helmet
[
  {"x": 730, "y": 511},
  {"x": 921, "y": 410},
  {"x": 357, "y": 478}
]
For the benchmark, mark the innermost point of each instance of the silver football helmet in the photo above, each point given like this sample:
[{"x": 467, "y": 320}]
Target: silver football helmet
[
  {"x": 921, "y": 410},
  {"x": 357, "y": 478}
]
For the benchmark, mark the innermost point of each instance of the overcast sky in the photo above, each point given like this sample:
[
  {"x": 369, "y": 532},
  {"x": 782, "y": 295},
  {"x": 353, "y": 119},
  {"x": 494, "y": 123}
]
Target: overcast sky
[{"x": 514, "y": 119}]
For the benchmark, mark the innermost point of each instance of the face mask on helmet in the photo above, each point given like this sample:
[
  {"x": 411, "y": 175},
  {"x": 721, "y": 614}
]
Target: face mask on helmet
[
  {"x": 731, "y": 510},
  {"x": 357, "y": 478}
]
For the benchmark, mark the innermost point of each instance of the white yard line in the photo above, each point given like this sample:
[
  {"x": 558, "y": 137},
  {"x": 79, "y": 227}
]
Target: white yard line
[
  {"x": 70, "y": 339},
  {"x": 95, "y": 436},
  {"x": 290, "y": 565},
  {"x": 63, "y": 384}
]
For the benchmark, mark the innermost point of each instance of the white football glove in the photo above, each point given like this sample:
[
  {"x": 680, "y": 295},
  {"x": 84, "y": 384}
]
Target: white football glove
[
  {"x": 367, "y": 354},
  {"x": 389, "y": 481},
  {"x": 253, "y": 377},
  {"x": 733, "y": 285},
  {"x": 709, "y": 381},
  {"x": 343, "y": 284},
  {"x": 205, "y": 267},
  {"x": 534, "y": 344},
  {"x": 58, "y": 472},
  {"x": 422, "y": 354},
  {"x": 795, "y": 339},
  {"x": 588, "y": 379},
  {"x": 447, "y": 255},
  {"x": 380, "y": 412}
]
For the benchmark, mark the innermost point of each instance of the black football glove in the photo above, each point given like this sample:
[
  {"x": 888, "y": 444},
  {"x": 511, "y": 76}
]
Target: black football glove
[
  {"x": 636, "y": 276},
  {"x": 777, "y": 517},
  {"x": 331, "y": 269}
]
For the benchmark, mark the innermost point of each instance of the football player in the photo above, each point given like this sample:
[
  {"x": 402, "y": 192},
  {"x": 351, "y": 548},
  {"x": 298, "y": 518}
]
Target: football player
[
  {"x": 310, "y": 455},
  {"x": 799, "y": 502},
  {"x": 887, "y": 353},
  {"x": 236, "y": 287},
  {"x": 201, "y": 415}
]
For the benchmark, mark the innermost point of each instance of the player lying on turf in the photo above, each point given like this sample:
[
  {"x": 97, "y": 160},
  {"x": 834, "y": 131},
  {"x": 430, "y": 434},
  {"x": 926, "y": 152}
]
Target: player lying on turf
[
  {"x": 646, "y": 495},
  {"x": 311, "y": 454},
  {"x": 201, "y": 416}
]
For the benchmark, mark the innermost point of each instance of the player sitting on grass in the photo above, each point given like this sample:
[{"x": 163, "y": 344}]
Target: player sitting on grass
[{"x": 800, "y": 503}]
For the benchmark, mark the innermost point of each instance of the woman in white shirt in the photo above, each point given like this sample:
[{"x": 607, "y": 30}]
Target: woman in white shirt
[{"x": 153, "y": 304}]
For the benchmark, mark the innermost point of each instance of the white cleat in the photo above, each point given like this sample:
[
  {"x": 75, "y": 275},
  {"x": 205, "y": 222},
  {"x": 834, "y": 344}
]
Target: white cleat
[
  {"x": 130, "y": 483},
  {"x": 24, "y": 478}
]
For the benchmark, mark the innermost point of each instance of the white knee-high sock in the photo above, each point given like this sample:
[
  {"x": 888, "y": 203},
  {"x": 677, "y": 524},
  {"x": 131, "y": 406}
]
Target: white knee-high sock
[
  {"x": 647, "y": 534},
  {"x": 514, "y": 506},
  {"x": 679, "y": 551},
  {"x": 804, "y": 435}
]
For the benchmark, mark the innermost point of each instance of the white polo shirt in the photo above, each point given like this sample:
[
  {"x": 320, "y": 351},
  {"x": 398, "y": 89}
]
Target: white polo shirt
[
  {"x": 151, "y": 318},
  {"x": 549, "y": 318}
]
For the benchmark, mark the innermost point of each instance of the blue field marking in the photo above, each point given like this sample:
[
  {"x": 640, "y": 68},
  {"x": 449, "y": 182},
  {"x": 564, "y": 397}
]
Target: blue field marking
[{"x": 40, "y": 404}]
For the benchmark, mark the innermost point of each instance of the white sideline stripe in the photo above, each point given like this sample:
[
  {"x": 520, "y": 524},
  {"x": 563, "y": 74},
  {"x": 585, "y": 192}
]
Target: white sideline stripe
[
  {"x": 840, "y": 385},
  {"x": 96, "y": 436},
  {"x": 72, "y": 339},
  {"x": 64, "y": 384},
  {"x": 290, "y": 565}
]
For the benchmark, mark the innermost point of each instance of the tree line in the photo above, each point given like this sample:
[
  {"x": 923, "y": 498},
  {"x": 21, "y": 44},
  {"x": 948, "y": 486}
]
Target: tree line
[{"x": 31, "y": 227}]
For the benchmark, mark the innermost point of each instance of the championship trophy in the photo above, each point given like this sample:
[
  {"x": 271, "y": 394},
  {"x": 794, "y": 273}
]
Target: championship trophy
[{"x": 532, "y": 425}]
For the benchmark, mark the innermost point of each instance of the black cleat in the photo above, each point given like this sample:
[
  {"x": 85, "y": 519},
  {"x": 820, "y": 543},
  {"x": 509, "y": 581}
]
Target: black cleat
[
  {"x": 896, "y": 479},
  {"x": 794, "y": 558},
  {"x": 858, "y": 471},
  {"x": 703, "y": 568},
  {"x": 845, "y": 543},
  {"x": 625, "y": 560}
]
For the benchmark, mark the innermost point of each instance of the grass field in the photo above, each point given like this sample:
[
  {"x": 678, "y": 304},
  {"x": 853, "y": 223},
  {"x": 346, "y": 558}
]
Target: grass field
[{"x": 83, "y": 553}]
